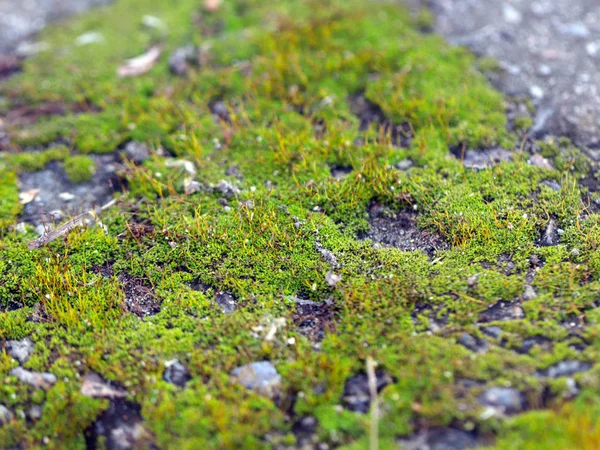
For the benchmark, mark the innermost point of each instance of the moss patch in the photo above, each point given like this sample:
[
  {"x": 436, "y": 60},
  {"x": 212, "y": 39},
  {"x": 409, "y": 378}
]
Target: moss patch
[{"x": 238, "y": 199}]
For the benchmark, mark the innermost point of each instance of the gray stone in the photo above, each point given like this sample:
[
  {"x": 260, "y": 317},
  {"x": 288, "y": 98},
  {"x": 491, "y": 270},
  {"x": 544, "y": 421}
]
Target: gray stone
[
  {"x": 21, "y": 350},
  {"x": 529, "y": 293},
  {"x": 565, "y": 369},
  {"x": 20, "y": 19},
  {"x": 560, "y": 36},
  {"x": 483, "y": 159},
  {"x": 227, "y": 189},
  {"x": 552, "y": 185},
  {"x": 176, "y": 373},
  {"x": 506, "y": 400},
  {"x": 38, "y": 380},
  {"x": 137, "y": 152},
  {"x": 181, "y": 59},
  {"x": 35, "y": 412},
  {"x": 261, "y": 377},
  {"x": 494, "y": 332},
  {"x": 5, "y": 415},
  {"x": 226, "y": 301},
  {"x": 94, "y": 386},
  {"x": 473, "y": 344},
  {"x": 539, "y": 161},
  {"x": 405, "y": 164}
]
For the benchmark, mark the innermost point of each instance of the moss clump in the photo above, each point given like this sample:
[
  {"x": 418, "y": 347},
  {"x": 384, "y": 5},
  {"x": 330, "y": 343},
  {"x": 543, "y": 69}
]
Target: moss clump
[{"x": 80, "y": 168}]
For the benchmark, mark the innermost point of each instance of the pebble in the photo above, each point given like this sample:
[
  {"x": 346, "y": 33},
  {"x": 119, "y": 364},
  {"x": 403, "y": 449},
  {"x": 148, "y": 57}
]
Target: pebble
[
  {"x": 576, "y": 29},
  {"x": 91, "y": 37},
  {"x": 180, "y": 60},
  {"x": 137, "y": 152},
  {"x": 227, "y": 189},
  {"x": 405, "y": 164},
  {"x": 66, "y": 196},
  {"x": 176, "y": 373},
  {"x": 121, "y": 428},
  {"x": 472, "y": 343},
  {"x": 38, "y": 380},
  {"x": 552, "y": 184},
  {"x": 482, "y": 159},
  {"x": 35, "y": 412},
  {"x": 506, "y": 400},
  {"x": 227, "y": 302},
  {"x": 544, "y": 70},
  {"x": 40, "y": 230},
  {"x": 529, "y": 293},
  {"x": 332, "y": 278},
  {"x": 20, "y": 350},
  {"x": 261, "y": 377},
  {"x": 94, "y": 386},
  {"x": 536, "y": 92},
  {"x": 20, "y": 228},
  {"x": 5, "y": 415},
  {"x": 511, "y": 15},
  {"x": 494, "y": 332},
  {"x": 539, "y": 161},
  {"x": 592, "y": 48}
]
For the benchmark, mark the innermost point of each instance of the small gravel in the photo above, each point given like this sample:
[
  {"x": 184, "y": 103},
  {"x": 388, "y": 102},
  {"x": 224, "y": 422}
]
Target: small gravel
[{"x": 261, "y": 377}]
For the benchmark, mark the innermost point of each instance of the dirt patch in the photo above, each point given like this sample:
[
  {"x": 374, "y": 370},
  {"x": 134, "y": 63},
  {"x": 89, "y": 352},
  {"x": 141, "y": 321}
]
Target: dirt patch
[
  {"x": 139, "y": 296},
  {"x": 399, "y": 229},
  {"x": 28, "y": 115},
  {"x": 502, "y": 310},
  {"x": 313, "y": 319},
  {"x": 370, "y": 113},
  {"x": 9, "y": 64},
  {"x": 357, "y": 395},
  {"x": 121, "y": 427},
  {"x": 226, "y": 301}
]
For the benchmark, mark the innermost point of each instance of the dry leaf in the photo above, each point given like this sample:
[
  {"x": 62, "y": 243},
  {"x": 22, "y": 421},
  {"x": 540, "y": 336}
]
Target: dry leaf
[
  {"x": 140, "y": 64},
  {"x": 28, "y": 196},
  {"x": 67, "y": 227}
]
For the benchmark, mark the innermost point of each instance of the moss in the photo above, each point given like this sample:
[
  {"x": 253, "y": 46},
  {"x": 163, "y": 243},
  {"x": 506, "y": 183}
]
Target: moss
[
  {"x": 80, "y": 168},
  {"x": 9, "y": 198},
  {"x": 269, "y": 223}
]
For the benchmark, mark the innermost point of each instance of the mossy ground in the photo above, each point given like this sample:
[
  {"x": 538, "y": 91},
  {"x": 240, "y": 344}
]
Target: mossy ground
[{"x": 286, "y": 72}]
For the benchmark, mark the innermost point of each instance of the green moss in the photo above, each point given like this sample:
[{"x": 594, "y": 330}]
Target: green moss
[
  {"x": 80, "y": 168},
  {"x": 9, "y": 197},
  {"x": 269, "y": 222}
]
